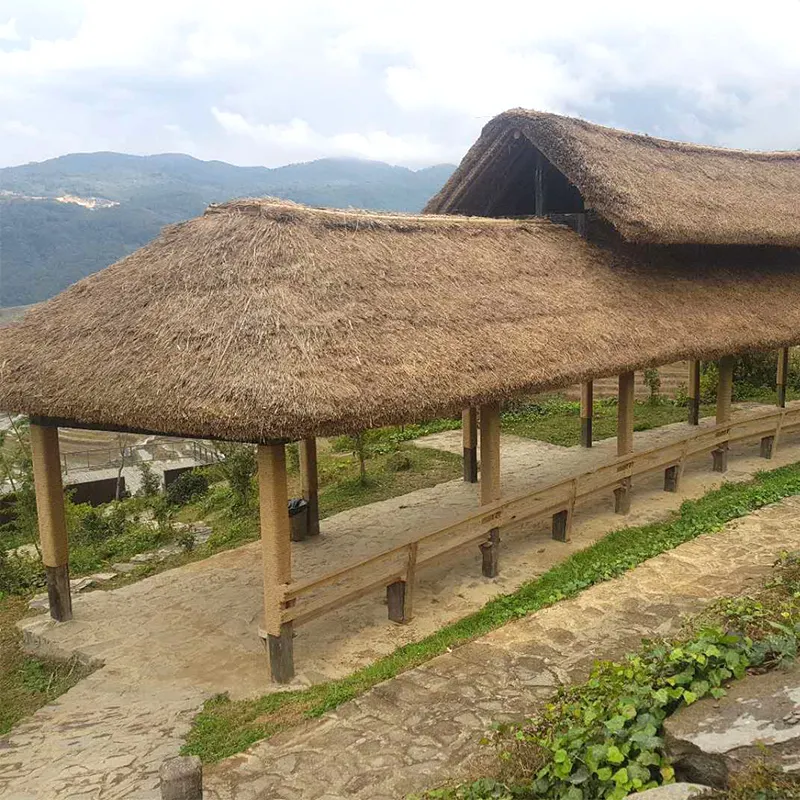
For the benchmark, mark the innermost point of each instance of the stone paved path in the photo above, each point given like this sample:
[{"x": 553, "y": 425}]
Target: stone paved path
[
  {"x": 424, "y": 726},
  {"x": 170, "y": 641}
]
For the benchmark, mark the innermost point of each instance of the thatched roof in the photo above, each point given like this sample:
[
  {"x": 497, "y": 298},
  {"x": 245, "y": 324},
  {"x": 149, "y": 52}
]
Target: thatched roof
[
  {"x": 651, "y": 190},
  {"x": 263, "y": 320}
]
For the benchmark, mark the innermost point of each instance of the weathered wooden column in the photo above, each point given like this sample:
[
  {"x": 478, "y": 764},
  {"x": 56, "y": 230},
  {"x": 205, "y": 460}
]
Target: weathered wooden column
[
  {"x": 276, "y": 556},
  {"x": 694, "y": 392},
  {"x": 490, "y": 480},
  {"x": 783, "y": 372},
  {"x": 587, "y": 412},
  {"x": 469, "y": 435},
  {"x": 307, "y": 449},
  {"x": 52, "y": 520},
  {"x": 724, "y": 397},
  {"x": 400, "y": 593},
  {"x": 625, "y": 405}
]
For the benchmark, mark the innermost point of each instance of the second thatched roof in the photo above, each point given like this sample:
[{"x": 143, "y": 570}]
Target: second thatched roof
[
  {"x": 262, "y": 321},
  {"x": 651, "y": 190}
]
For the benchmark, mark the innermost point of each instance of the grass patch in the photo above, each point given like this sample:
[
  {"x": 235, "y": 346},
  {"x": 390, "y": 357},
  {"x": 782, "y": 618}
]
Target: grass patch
[
  {"x": 27, "y": 683},
  {"x": 760, "y": 782},
  {"x": 225, "y": 727},
  {"x": 387, "y": 476},
  {"x": 557, "y": 421}
]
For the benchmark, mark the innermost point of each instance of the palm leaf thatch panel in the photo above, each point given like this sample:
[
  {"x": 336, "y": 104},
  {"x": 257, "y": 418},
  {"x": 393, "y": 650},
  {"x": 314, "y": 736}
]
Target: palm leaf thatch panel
[
  {"x": 651, "y": 190},
  {"x": 262, "y": 321}
]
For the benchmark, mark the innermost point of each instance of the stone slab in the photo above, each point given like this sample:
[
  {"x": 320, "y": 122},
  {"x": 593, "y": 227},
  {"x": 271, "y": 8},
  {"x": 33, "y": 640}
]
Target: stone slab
[
  {"x": 673, "y": 791},
  {"x": 712, "y": 740}
]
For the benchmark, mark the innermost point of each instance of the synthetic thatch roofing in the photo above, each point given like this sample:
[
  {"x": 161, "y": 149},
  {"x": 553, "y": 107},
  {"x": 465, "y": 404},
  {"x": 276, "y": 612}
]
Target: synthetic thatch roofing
[
  {"x": 651, "y": 190},
  {"x": 264, "y": 320}
]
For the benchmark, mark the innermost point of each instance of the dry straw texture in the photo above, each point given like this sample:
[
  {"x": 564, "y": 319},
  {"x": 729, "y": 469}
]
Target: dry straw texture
[
  {"x": 651, "y": 190},
  {"x": 263, "y": 320}
]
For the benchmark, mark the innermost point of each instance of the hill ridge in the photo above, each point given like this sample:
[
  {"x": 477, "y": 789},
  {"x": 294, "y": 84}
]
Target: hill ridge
[{"x": 47, "y": 243}]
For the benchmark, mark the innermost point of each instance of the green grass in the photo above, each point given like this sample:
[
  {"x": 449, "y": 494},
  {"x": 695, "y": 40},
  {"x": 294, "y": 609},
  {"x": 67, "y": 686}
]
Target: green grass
[
  {"x": 422, "y": 467},
  {"x": 340, "y": 489},
  {"x": 557, "y": 421},
  {"x": 225, "y": 727},
  {"x": 762, "y": 781},
  {"x": 27, "y": 683}
]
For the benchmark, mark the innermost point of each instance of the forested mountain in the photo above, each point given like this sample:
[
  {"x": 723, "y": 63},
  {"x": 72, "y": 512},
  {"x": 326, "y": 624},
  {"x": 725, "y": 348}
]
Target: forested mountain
[{"x": 67, "y": 217}]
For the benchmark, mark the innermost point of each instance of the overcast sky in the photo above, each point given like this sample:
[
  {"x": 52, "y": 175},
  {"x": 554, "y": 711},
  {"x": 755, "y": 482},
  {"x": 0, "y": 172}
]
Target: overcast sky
[{"x": 273, "y": 82}]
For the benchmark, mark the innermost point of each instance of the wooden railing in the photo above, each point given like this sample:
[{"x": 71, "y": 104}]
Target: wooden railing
[{"x": 301, "y": 601}]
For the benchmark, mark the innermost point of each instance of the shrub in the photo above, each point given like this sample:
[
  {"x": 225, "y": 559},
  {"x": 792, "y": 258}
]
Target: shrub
[
  {"x": 189, "y": 486},
  {"x": 238, "y": 466},
  {"x": 653, "y": 382},
  {"x": 150, "y": 482},
  {"x": 398, "y": 462},
  {"x": 709, "y": 380},
  {"x": 758, "y": 370},
  {"x": 186, "y": 540},
  {"x": 20, "y": 573}
]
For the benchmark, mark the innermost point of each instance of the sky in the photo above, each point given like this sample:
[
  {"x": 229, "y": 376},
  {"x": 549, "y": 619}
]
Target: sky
[{"x": 408, "y": 82}]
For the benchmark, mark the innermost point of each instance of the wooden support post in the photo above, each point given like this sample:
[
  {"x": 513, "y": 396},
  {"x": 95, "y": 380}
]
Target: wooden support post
[
  {"x": 625, "y": 414},
  {"x": 52, "y": 520},
  {"x": 724, "y": 397},
  {"x": 561, "y": 526},
  {"x": 694, "y": 392},
  {"x": 309, "y": 481},
  {"x": 783, "y": 372},
  {"x": 625, "y": 407},
  {"x": 587, "y": 411},
  {"x": 490, "y": 480},
  {"x": 469, "y": 435},
  {"x": 671, "y": 478},
  {"x": 276, "y": 556},
  {"x": 766, "y": 446},
  {"x": 396, "y": 601},
  {"x": 622, "y": 497},
  {"x": 400, "y": 594}
]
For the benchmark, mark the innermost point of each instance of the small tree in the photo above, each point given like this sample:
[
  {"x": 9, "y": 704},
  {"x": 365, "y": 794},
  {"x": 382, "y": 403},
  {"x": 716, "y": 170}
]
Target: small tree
[
  {"x": 238, "y": 465},
  {"x": 124, "y": 450},
  {"x": 652, "y": 380},
  {"x": 16, "y": 467},
  {"x": 150, "y": 484}
]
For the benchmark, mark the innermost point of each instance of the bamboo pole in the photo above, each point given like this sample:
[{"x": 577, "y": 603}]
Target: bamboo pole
[
  {"x": 490, "y": 480},
  {"x": 52, "y": 519},
  {"x": 307, "y": 450},
  {"x": 276, "y": 557}
]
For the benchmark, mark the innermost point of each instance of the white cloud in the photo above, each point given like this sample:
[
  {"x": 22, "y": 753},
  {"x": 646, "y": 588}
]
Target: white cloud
[
  {"x": 8, "y": 31},
  {"x": 410, "y": 83},
  {"x": 17, "y": 128},
  {"x": 299, "y": 138}
]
